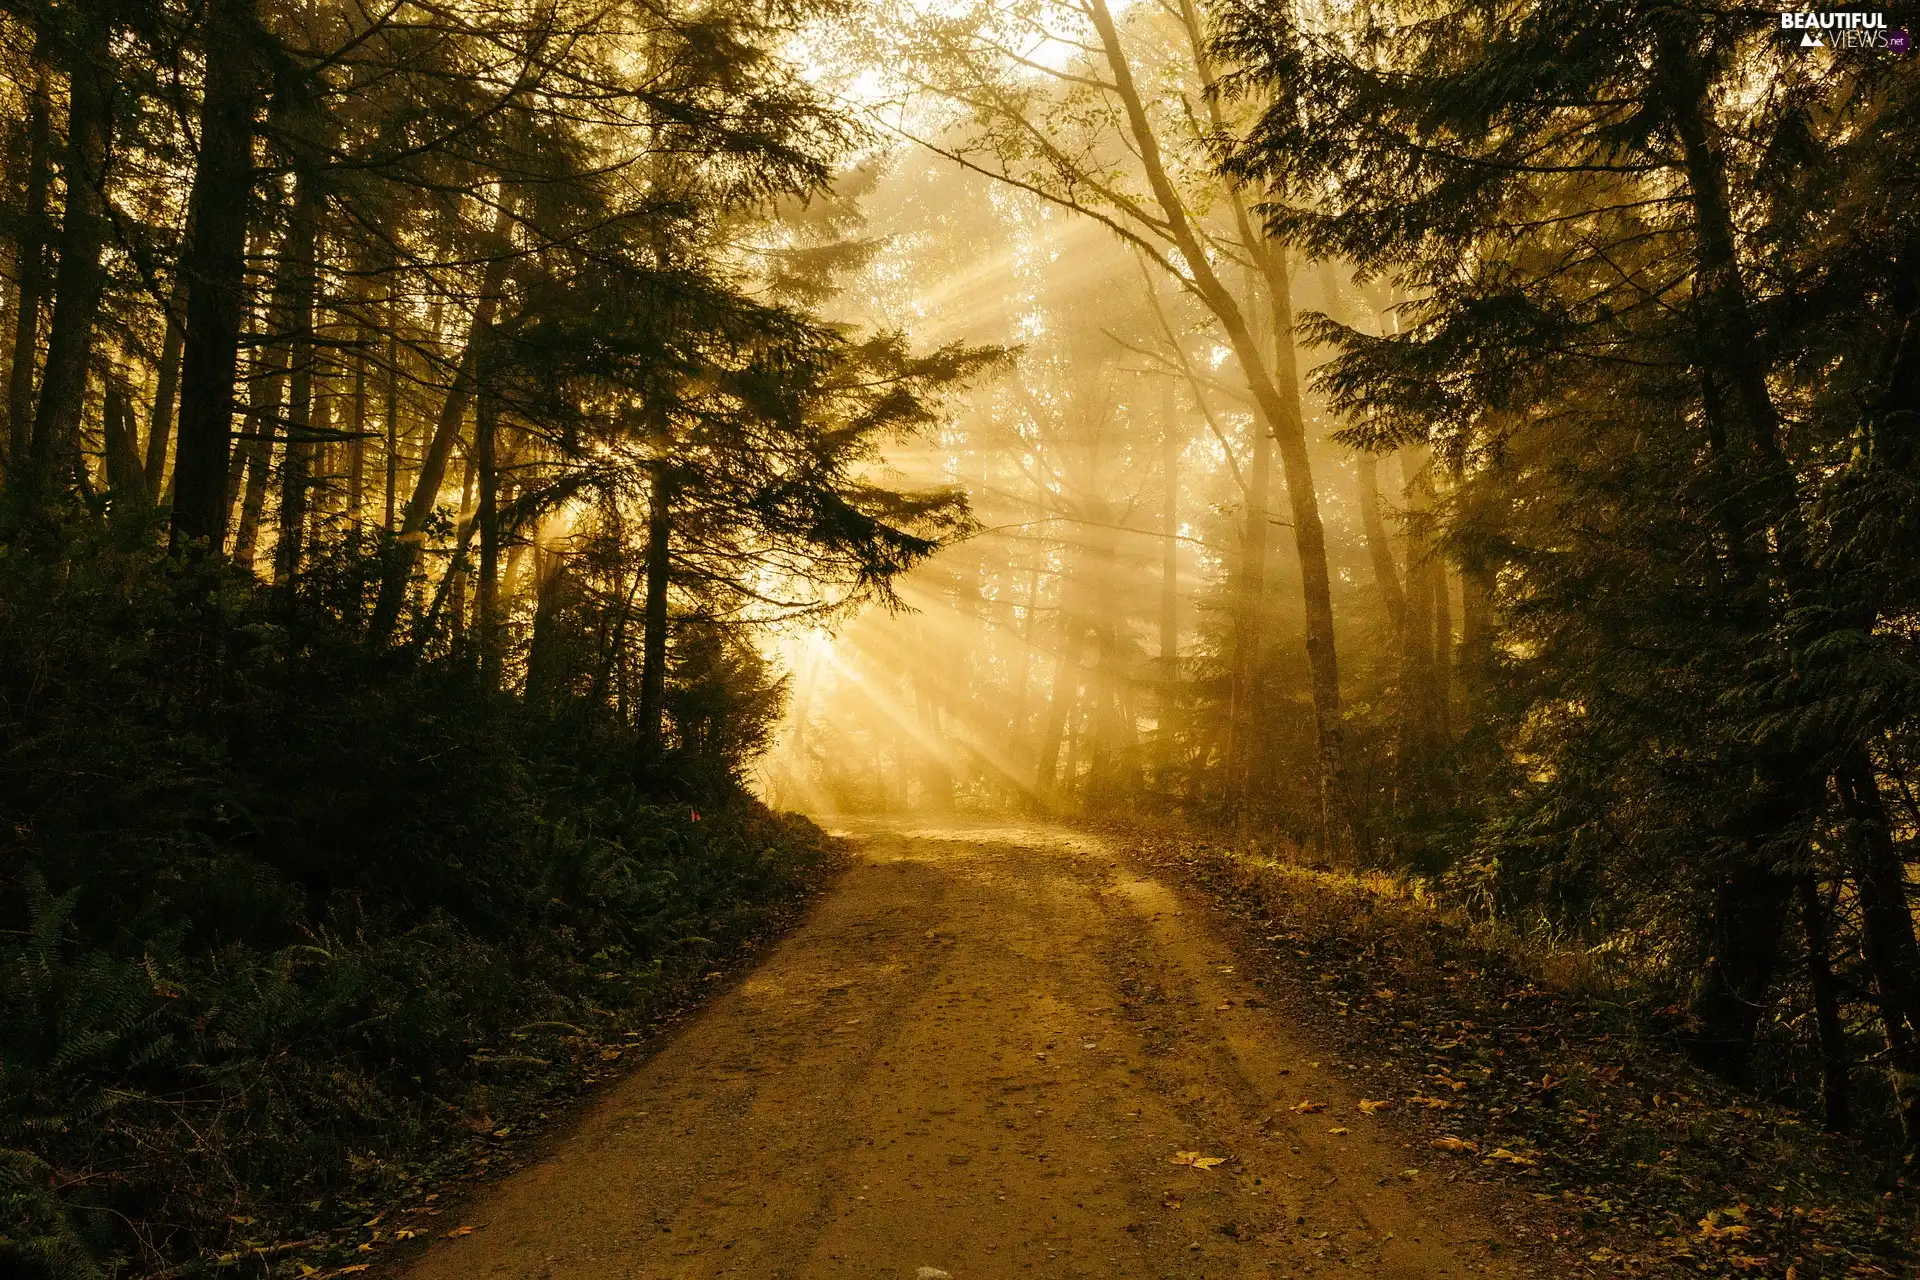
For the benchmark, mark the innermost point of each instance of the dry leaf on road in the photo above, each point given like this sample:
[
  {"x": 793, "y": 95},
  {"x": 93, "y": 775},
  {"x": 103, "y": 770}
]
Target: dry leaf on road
[
  {"x": 1194, "y": 1160},
  {"x": 1306, "y": 1108}
]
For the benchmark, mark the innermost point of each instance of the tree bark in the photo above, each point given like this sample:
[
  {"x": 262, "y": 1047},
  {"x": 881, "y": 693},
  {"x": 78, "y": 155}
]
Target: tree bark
[
  {"x": 1249, "y": 595},
  {"x": 391, "y": 389},
  {"x": 357, "y": 426},
  {"x": 486, "y": 431},
  {"x": 1476, "y": 625},
  {"x": 459, "y": 573},
  {"x": 296, "y": 466},
  {"x": 1415, "y": 731},
  {"x": 30, "y": 257},
  {"x": 546, "y": 676},
  {"x": 653, "y": 647},
  {"x": 1442, "y": 647},
  {"x": 1887, "y": 931},
  {"x": 1386, "y": 575},
  {"x": 252, "y": 463},
  {"x": 1817, "y": 922},
  {"x": 125, "y": 476},
  {"x": 166, "y": 392},
  {"x": 81, "y": 277},
  {"x": 1744, "y": 922},
  {"x": 1170, "y": 443},
  {"x": 214, "y": 267}
]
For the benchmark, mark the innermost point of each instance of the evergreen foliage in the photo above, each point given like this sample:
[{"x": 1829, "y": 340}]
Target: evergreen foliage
[{"x": 1657, "y": 280}]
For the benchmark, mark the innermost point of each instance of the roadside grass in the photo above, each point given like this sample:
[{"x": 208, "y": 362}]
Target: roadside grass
[{"x": 1535, "y": 1069}]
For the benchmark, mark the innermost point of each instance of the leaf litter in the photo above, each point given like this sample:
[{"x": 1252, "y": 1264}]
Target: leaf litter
[{"x": 1648, "y": 1166}]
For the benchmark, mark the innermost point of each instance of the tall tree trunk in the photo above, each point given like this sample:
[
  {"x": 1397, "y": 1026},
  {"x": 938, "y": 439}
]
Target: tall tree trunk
[
  {"x": 458, "y": 572},
  {"x": 357, "y": 425},
  {"x": 30, "y": 258},
  {"x": 1249, "y": 600},
  {"x": 1887, "y": 931},
  {"x": 391, "y": 387},
  {"x": 1276, "y": 393},
  {"x": 166, "y": 392},
  {"x": 1743, "y": 928},
  {"x": 214, "y": 267},
  {"x": 81, "y": 276},
  {"x": 552, "y": 589},
  {"x": 1017, "y": 716},
  {"x": 1817, "y": 922},
  {"x": 1065, "y": 694},
  {"x": 1170, "y": 444},
  {"x": 433, "y": 463},
  {"x": 1108, "y": 739},
  {"x": 486, "y": 430},
  {"x": 125, "y": 477},
  {"x": 1442, "y": 647},
  {"x": 252, "y": 464},
  {"x": 1476, "y": 623},
  {"x": 296, "y": 468},
  {"x": 1386, "y": 575},
  {"x": 1749, "y": 909},
  {"x": 936, "y": 779},
  {"x": 653, "y": 647},
  {"x": 1415, "y": 731}
]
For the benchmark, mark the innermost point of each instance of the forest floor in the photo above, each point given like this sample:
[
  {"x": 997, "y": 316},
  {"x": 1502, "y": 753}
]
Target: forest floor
[
  {"x": 996, "y": 1049},
  {"x": 1545, "y": 1080}
]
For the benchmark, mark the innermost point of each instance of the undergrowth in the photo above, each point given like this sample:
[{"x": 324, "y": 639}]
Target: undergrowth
[{"x": 284, "y": 922}]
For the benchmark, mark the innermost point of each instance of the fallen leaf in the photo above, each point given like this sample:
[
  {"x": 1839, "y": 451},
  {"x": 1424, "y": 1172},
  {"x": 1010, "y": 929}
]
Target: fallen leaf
[
  {"x": 1451, "y": 1143},
  {"x": 1511, "y": 1157},
  {"x": 1194, "y": 1160},
  {"x": 1370, "y": 1105},
  {"x": 1424, "y": 1100},
  {"x": 457, "y": 1232},
  {"x": 1306, "y": 1108},
  {"x": 1337, "y": 1129}
]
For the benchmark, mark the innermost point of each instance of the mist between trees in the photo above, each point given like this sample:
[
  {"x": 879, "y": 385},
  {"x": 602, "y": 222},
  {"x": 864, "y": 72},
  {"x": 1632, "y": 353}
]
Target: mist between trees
[
  {"x": 1476, "y": 441},
  {"x": 1473, "y": 441}
]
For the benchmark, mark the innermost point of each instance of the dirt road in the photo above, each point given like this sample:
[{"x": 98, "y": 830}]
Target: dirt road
[{"x": 979, "y": 1057}]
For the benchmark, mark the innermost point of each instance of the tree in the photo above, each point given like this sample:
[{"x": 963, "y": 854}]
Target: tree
[{"x": 1603, "y": 306}]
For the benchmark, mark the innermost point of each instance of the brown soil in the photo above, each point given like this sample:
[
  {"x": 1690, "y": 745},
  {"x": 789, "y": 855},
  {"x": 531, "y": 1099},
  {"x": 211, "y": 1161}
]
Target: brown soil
[{"x": 980, "y": 1057}]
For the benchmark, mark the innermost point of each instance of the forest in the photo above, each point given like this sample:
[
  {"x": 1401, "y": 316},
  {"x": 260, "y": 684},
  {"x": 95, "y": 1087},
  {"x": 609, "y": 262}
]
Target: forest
[{"x": 474, "y": 472}]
